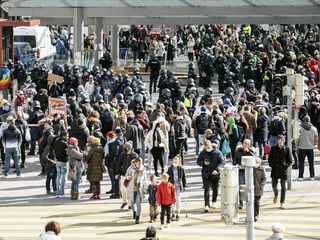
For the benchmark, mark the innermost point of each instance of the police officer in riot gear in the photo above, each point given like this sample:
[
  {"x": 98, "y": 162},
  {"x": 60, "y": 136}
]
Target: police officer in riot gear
[
  {"x": 165, "y": 98},
  {"x": 155, "y": 67}
]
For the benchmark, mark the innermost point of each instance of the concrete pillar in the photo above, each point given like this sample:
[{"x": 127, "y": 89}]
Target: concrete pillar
[
  {"x": 249, "y": 162},
  {"x": 115, "y": 44},
  {"x": 229, "y": 194},
  {"x": 99, "y": 40},
  {"x": 78, "y": 24}
]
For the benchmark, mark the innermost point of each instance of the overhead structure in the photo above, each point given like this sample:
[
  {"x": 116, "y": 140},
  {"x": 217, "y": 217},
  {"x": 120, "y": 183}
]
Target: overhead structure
[{"x": 121, "y": 12}]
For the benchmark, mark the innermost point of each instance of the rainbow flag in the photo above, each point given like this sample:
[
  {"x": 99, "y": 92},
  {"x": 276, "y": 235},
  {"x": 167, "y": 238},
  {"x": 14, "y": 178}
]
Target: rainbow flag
[{"x": 5, "y": 78}]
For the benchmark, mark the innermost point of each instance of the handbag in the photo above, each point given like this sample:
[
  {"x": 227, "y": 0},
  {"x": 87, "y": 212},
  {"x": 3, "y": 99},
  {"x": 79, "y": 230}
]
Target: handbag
[
  {"x": 126, "y": 182},
  {"x": 266, "y": 149},
  {"x": 27, "y": 135},
  {"x": 72, "y": 174},
  {"x": 225, "y": 148}
]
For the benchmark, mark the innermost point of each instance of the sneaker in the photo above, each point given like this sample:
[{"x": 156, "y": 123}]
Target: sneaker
[
  {"x": 4, "y": 176},
  {"x": 275, "y": 199},
  {"x": 19, "y": 176},
  {"x": 123, "y": 205},
  {"x": 110, "y": 192},
  {"x": 300, "y": 179},
  {"x": 214, "y": 205},
  {"x": 42, "y": 174},
  {"x": 312, "y": 179},
  {"x": 177, "y": 217},
  {"x": 206, "y": 209},
  {"x": 167, "y": 225},
  {"x": 282, "y": 206},
  {"x": 161, "y": 226},
  {"x": 173, "y": 217}
]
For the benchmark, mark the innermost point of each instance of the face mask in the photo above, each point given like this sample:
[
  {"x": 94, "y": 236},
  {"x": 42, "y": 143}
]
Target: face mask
[{"x": 209, "y": 150}]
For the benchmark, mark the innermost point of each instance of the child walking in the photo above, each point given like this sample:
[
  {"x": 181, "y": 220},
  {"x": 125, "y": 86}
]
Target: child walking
[
  {"x": 166, "y": 196},
  {"x": 177, "y": 177},
  {"x": 152, "y": 191}
]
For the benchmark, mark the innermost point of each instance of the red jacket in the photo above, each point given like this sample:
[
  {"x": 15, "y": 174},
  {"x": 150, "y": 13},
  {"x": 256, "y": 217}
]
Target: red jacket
[{"x": 166, "y": 194}]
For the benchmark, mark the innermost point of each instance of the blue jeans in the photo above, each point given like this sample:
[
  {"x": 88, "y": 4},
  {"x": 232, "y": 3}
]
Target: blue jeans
[
  {"x": 34, "y": 135},
  {"x": 62, "y": 169},
  {"x": 136, "y": 205},
  {"x": 273, "y": 140},
  {"x": 75, "y": 184},
  {"x": 112, "y": 179},
  {"x": 16, "y": 157},
  {"x": 51, "y": 172},
  {"x": 242, "y": 181}
]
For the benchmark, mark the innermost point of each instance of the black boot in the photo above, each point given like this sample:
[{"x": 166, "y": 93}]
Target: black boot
[
  {"x": 134, "y": 215},
  {"x": 151, "y": 219},
  {"x": 137, "y": 219}
]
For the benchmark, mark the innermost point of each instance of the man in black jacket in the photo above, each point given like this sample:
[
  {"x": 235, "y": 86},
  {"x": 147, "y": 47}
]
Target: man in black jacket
[
  {"x": 60, "y": 149},
  {"x": 11, "y": 141},
  {"x": 279, "y": 160},
  {"x": 123, "y": 163},
  {"x": 211, "y": 160},
  {"x": 180, "y": 134}
]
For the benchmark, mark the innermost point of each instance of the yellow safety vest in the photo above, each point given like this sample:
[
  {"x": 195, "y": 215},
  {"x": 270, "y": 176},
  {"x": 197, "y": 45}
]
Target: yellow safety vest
[{"x": 187, "y": 102}]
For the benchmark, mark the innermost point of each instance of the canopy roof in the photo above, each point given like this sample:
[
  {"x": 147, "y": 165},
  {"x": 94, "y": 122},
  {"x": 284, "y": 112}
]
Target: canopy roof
[{"x": 173, "y": 11}]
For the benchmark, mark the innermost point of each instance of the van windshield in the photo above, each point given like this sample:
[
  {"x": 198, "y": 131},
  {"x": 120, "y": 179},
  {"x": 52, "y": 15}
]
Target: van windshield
[{"x": 29, "y": 39}]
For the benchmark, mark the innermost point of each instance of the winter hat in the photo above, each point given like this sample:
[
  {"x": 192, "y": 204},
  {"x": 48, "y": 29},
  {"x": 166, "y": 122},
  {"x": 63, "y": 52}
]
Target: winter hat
[
  {"x": 89, "y": 139},
  {"x": 111, "y": 134},
  {"x": 227, "y": 101},
  {"x": 73, "y": 141},
  {"x": 96, "y": 141},
  {"x": 281, "y": 137},
  {"x": 306, "y": 118},
  {"x": 128, "y": 145},
  {"x": 278, "y": 227},
  {"x": 203, "y": 109}
]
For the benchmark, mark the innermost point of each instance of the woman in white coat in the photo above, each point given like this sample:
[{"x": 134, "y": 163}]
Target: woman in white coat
[
  {"x": 137, "y": 186},
  {"x": 190, "y": 44}
]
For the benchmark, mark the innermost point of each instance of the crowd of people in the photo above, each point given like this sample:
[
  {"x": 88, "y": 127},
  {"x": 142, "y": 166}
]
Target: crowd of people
[{"x": 111, "y": 124}]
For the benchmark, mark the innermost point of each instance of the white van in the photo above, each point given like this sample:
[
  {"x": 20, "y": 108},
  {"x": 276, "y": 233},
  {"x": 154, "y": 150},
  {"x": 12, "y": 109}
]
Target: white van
[{"x": 40, "y": 40}]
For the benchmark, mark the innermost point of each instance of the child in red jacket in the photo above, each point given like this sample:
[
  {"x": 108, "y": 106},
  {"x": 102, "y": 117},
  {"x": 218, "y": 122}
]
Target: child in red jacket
[{"x": 166, "y": 195}]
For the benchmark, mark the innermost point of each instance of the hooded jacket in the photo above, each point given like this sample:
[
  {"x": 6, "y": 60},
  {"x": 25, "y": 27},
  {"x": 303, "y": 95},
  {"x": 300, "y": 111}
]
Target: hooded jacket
[
  {"x": 308, "y": 136},
  {"x": 11, "y": 137}
]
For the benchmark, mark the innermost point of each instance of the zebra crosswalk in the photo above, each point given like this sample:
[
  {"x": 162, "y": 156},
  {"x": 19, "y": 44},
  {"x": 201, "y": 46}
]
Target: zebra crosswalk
[{"x": 85, "y": 219}]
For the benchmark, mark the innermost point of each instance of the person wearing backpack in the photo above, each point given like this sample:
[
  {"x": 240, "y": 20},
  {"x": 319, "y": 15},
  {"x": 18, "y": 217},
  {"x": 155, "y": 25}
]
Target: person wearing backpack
[
  {"x": 180, "y": 134},
  {"x": 277, "y": 127},
  {"x": 202, "y": 124}
]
